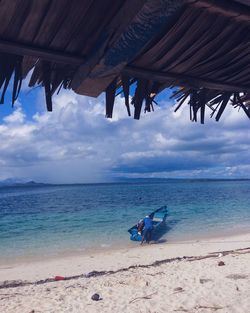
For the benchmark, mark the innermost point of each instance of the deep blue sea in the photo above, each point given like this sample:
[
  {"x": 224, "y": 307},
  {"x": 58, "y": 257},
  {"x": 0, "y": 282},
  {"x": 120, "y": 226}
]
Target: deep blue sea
[{"x": 50, "y": 220}]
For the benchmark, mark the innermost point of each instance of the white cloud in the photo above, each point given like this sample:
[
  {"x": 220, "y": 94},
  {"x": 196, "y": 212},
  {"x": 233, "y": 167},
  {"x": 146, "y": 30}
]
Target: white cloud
[
  {"x": 17, "y": 117},
  {"x": 75, "y": 143}
]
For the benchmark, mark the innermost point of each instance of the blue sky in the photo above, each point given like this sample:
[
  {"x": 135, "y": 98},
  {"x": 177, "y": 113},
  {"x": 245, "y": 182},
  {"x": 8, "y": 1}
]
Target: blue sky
[{"x": 76, "y": 143}]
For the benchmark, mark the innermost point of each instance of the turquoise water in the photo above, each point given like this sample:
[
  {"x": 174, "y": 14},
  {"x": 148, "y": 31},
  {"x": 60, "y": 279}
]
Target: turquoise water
[{"x": 69, "y": 218}]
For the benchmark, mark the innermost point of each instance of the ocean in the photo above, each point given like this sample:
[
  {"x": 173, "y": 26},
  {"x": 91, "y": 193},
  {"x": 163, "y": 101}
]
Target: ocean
[{"x": 60, "y": 219}]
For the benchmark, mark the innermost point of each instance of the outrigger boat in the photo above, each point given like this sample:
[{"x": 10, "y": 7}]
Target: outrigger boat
[{"x": 159, "y": 219}]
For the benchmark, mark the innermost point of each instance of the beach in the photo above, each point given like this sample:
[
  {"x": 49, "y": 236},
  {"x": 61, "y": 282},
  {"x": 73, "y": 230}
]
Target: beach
[
  {"x": 105, "y": 208},
  {"x": 206, "y": 275}
]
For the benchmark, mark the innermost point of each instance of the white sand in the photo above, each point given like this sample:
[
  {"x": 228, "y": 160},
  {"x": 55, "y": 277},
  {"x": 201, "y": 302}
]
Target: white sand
[{"x": 202, "y": 285}]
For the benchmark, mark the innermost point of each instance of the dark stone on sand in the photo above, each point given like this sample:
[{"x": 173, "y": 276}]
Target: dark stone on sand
[
  {"x": 221, "y": 263},
  {"x": 96, "y": 297},
  {"x": 178, "y": 289}
]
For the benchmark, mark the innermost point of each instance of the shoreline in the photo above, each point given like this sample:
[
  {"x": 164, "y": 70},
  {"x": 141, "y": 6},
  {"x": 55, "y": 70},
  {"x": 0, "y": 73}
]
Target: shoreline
[
  {"x": 113, "y": 259},
  {"x": 116, "y": 247}
]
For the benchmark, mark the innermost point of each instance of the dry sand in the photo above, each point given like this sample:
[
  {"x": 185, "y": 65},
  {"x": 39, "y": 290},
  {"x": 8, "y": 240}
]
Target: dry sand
[{"x": 174, "y": 285}]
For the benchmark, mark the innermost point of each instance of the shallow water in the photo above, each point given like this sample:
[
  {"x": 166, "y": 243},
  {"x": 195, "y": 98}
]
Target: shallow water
[{"x": 69, "y": 218}]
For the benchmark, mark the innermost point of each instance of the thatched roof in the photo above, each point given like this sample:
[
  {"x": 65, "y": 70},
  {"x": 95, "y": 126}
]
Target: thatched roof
[{"x": 202, "y": 47}]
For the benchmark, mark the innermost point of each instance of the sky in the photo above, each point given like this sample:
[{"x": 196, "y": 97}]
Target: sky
[{"x": 76, "y": 143}]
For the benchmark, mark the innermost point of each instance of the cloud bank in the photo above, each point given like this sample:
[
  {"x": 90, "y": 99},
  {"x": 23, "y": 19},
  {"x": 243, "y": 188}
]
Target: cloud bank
[{"x": 75, "y": 143}]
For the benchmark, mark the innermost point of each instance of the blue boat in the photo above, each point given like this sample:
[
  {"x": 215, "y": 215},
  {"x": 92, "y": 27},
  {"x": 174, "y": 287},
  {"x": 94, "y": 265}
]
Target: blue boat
[{"x": 159, "y": 219}]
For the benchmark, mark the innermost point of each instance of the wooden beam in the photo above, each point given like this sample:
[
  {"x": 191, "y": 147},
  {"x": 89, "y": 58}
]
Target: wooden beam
[
  {"x": 18, "y": 48},
  {"x": 181, "y": 79}
]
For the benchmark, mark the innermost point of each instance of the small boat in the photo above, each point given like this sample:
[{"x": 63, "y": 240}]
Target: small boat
[{"x": 159, "y": 219}]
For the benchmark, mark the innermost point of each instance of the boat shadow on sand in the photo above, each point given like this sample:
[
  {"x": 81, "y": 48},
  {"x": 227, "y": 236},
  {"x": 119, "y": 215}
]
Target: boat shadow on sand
[{"x": 160, "y": 235}]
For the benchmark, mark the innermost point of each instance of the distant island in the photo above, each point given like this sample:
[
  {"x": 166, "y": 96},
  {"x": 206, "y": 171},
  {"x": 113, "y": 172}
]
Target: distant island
[
  {"x": 12, "y": 182},
  {"x": 162, "y": 180}
]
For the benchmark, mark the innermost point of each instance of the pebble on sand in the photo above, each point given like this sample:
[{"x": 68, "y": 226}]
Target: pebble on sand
[{"x": 96, "y": 297}]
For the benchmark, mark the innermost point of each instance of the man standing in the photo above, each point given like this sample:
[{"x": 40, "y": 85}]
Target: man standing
[{"x": 147, "y": 230}]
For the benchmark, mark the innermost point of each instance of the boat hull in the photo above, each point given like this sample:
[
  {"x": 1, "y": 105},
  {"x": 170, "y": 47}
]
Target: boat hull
[{"x": 159, "y": 220}]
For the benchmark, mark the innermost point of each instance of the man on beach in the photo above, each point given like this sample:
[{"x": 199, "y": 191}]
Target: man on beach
[{"x": 147, "y": 230}]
